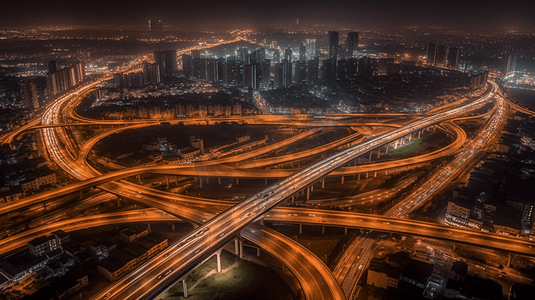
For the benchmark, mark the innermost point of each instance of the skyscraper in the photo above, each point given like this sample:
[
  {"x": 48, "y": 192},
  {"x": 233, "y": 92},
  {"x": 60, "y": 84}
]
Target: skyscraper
[
  {"x": 453, "y": 58},
  {"x": 310, "y": 48},
  {"x": 288, "y": 54},
  {"x": 166, "y": 61},
  {"x": 52, "y": 66},
  {"x": 352, "y": 44},
  {"x": 510, "y": 64},
  {"x": 302, "y": 53},
  {"x": 440, "y": 59},
  {"x": 28, "y": 95},
  {"x": 333, "y": 45},
  {"x": 431, "y": 54}
]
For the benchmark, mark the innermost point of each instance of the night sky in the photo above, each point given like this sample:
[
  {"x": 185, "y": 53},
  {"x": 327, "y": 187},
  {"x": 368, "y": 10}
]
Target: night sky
[{"x": 457, "y": 14}]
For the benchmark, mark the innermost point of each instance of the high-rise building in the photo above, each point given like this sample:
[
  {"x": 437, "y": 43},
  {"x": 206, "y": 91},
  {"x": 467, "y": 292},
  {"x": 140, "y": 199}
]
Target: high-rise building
[
  {"x": 167, "y": 63},
  {"x": 230, "y": 73},
  {"x": 242, "y": 55},
  {"x": 431, "y": 54},
  {"x": 453, "y": 58},
  {"x": 312, "y": 70},
  {"x": 28, "y": 95},
  {"x": 440, "y": 59},
  {"x": 352, "y": 44},
  {"x": 52, "y": 66},
  {"x": 250, "y": 76},
  {"x": 310, "y": 49},
  {"x": 329, "y": 70},
  {"x": 187, "y": 66},
  {"x": 510, "y": 64},
  {"x": 288, "y": 54},
  {"x": 276, "y": 57},
  {"x": 300, "y": 72},
  {"x": 79, "y": 71},
  {"x": 333, "y": 45},
  {"x": 302, "y": 53},
  {"x": 266, "y": 74}
]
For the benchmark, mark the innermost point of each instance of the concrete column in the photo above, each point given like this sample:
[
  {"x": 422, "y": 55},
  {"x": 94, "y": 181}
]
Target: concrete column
[
  {"x": 322, "y": 229},
  {"x": 167, "y": 180},
  {"x": 370, "y": 158},
  {"x": 283, "y": 267},
  {"x": 366, "y": 175},
  {"x": 509, "y": 260},
  {"x": 308, "y": 193},
  {"x": 148, "y": 227},
  {"x": 200, "y": 182},
  {"x": 219, "y": 180},
  {"x": 396, "y": 144},
  {"x": 387, "y": 146},
  {"x": 386, "y": 172},
  {"x": 454, "y": 244},
  {"x": 300, "y": 228},
  {"x": 410, "y": 137},
  {"x": 139, "y": 178},
  {"x": 207, "y": 179},
  {"x": 345, "y": 230},
  {"x": 236, "y": 249},
  {"x": 185, "y": 287},
  {"x": 218, "y": 256},
  {"x": 342, "y": 180},
  {"x": 237, "y": 181},
  {"x": 419, "y": 133},
  {"x": 358, "y": 178},
  {"x": 312, "y": 188},
  {"x": 265, "y": 181},
  {"x": 375, "y": 174},
  {"x": 323, "y": 183},
  {"x": 241, "y": 249},
  {"x": 378, "y": 152},
  {"x": 257, "y": 252}
]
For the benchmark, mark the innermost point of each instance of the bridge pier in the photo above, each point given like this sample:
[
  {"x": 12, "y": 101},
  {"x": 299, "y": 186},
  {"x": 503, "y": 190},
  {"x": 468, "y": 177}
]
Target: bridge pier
[
  {"x": 258, "y": 252},
  {"x": 410, "y": 137},
  {"x": 139, "y": 178},
  {"x": 166, "y": 180},
  {"x": 185, "y": 287},
  {"x": 419, "y": 133},
  {"x": 378, "y": 152},
  {"x": 148, "y": 227},
  {"x": 345, "y": 230},
  {"x": 454, "y": 245},
  {"x": 200, "y": 182},
  {"x": 386, "y": 172},
  {"x": 342, "y": 180},
  {"x": 312, "y": 187},
  {"x": 300, "y": 228},
  {"x": 375, "y": 174},
  {"x": 207, "y": 179},
  {"x": 218, "y": 258},
  {"x": 358, "y": 178},
  {"x": 370, "y": 158},
  {"x": 509, "y": 260},
  {"x": 323, "y": 229},
  {"x": 265, "y": 181},
  {"x": 323, "y": 183},
  {"x": 44, "y": 205},
  {"x": 173, "y": 226},
  {"x": 236, "y": 249},
  {"x": 387, "y": 146},
  {"x": 261, "y": 222},
  {"x": 241, "y": 249},
  {"x": 219, "y": 180},
  {"x": 237, "y": 181},
  {"x": 308, "y": 193},
  {"x": 293, "y": 199},
  {"x": 366, "y": 175}
]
